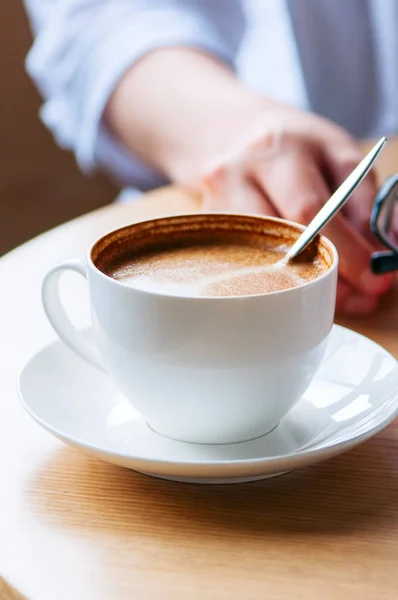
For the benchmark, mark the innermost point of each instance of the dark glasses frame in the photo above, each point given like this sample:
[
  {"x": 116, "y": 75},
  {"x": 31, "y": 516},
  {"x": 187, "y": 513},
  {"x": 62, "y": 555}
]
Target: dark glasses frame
[{"x": 387, "y": 261}]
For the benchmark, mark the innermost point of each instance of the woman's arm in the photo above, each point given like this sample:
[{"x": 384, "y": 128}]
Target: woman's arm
[
  {"x": 175, "y": 107},
  {"x": 82, "y": 49}
]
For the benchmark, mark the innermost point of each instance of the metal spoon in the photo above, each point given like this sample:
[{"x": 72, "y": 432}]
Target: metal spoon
[{"x": 335, "y": 202}]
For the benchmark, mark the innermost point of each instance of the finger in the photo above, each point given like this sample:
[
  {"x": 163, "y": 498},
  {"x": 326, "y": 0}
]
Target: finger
[
  {"x": 228, "y": 189},
  {"x": 297, "y": 189},
  {"x": 292, "y": 182},
  {"x": 349, "y": 302},
  {"x": 339, "y": 161},
  {"x": 354, "y": 258}
]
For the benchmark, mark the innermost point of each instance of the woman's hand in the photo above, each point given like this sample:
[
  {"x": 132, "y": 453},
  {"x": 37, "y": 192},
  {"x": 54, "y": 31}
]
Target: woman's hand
[{"x": 286, "y": 163}]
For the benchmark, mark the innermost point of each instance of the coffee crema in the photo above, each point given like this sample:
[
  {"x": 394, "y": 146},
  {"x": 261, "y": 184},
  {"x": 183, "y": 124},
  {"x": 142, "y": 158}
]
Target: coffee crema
[{"x": 215, "y": 261}]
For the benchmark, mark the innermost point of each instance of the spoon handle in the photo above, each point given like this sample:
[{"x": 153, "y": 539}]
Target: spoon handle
[{"x": 336, "y": 201}]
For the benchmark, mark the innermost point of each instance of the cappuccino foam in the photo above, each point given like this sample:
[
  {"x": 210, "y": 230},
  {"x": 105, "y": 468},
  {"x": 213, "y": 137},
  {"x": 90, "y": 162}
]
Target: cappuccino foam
[{"x": 214, "y": 268}]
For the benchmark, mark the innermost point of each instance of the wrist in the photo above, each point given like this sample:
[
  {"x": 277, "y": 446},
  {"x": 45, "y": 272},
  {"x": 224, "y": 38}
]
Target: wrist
[{"x": 225, "y": 120}]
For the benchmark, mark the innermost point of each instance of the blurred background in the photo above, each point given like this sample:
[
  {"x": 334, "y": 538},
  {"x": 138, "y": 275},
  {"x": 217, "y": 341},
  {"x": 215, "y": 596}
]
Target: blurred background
[{"x": 40, "y": 185}]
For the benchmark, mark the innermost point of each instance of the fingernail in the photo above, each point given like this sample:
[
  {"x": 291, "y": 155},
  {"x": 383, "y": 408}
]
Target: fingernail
[
  {"x": 375, "y": 284},
  {"x": 360, "y": 305}
]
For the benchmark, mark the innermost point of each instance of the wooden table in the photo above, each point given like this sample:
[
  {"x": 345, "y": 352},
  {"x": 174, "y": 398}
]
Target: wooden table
[{"x": 73, "y": 528}]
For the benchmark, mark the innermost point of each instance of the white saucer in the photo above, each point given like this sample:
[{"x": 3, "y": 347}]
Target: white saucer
[{"x": 354, "y": 395}]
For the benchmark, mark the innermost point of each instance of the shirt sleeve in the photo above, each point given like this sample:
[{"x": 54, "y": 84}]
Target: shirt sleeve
[{"x": 82, "y": 48}]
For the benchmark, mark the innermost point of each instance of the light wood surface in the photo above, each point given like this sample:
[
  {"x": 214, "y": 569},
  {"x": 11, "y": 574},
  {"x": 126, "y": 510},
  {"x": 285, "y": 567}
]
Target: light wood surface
[{"x": 73, "y": 528}]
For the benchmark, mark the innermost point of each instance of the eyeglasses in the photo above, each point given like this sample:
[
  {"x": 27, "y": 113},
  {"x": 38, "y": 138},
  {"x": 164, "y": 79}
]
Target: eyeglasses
[{"x": 384, "y": 225}]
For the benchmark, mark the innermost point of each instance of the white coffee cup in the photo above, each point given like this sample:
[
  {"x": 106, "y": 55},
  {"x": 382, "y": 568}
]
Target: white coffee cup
[{"x": 209, "y": 370}]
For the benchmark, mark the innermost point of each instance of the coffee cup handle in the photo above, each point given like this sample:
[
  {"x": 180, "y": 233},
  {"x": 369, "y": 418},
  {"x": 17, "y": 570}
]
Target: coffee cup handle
[{"x": 56, "y": 314}]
